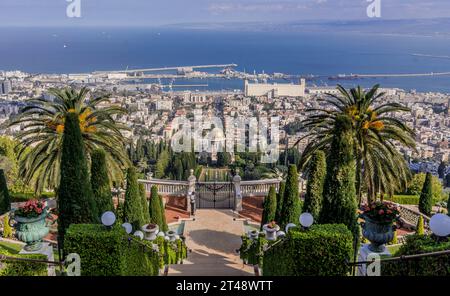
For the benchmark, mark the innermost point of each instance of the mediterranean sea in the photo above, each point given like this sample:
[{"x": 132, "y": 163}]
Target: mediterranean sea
[{"x": 81, "y": 50}]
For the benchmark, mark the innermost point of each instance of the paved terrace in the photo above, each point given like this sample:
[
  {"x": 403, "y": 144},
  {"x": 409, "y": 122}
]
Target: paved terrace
[{"x": 213, "y": 238}]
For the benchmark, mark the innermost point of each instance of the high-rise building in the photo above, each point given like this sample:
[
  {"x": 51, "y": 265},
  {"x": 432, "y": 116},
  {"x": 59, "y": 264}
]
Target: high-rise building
[{"x": 5, "y": 87}]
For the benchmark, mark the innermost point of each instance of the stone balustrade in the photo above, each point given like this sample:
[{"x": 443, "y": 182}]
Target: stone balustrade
[
  {"x": 167, "y": 187},
  {"x": 258, "y": 187}
]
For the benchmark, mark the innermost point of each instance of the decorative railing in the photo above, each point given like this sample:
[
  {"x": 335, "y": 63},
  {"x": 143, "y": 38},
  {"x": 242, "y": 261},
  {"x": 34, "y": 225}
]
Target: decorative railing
[
  {"x": 258, "y": 187},
  {"x": 412, "y": 217},
  {"x": 167, "y": 187}
]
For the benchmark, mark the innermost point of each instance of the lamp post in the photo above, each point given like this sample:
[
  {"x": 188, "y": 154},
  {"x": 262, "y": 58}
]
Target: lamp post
[{"x": 192, "y": 201}]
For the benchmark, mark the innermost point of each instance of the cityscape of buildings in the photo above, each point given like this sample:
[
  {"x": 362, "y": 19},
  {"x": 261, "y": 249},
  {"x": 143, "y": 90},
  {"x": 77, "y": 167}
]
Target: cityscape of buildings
[{"x": 152, "y": 110}]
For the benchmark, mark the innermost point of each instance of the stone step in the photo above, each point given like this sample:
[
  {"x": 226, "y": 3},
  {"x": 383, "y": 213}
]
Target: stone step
[{"x": 210, "y": 270}]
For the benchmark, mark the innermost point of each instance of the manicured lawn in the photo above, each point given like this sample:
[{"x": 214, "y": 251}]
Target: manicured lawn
[
  {"x": 25, "y": 196},
  {"x": 11, "y": 247},
  {"x": 393, "y": 248}
]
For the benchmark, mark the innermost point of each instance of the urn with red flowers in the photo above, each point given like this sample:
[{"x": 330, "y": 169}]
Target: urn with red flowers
[
  {"x": 378, "y": 226},
  {"x": 31, "y": 227}
]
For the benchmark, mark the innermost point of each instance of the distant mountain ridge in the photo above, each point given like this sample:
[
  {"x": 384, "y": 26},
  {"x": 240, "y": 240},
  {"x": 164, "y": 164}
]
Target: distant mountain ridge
[{"x": 427, "y": 27}]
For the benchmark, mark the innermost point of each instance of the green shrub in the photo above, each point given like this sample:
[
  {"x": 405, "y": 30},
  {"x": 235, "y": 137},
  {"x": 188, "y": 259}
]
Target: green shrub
[
  {"x": 23, "y": 268},
  {"x": 112, "y": 252},
  {"x": 106, "y": 252},
  {"x": 404, "y": 199},
  {"x": 419, "y": 227},
  {"x": 394, "y": 240},
  {"x": 422, "y": 266},
  {"x": 251, "y": 251},
  {"x": 323, "y": 250},
  {"x": 25, "y": 196},
  {"x": 5, "y": 202},
  {"x": 7, "y": 230}
]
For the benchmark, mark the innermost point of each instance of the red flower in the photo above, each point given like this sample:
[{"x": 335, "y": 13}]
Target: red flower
[{"x": 381, "y": 212}]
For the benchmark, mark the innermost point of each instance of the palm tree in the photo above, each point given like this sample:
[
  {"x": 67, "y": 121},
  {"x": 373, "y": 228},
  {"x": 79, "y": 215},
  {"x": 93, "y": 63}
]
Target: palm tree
[
  {"x": 42, "y": 127},
  {"x": 279, "y": 172},
  {"x": 380, "y": 166}
]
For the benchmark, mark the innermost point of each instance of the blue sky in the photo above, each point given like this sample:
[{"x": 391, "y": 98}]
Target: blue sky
[{"x": 160, "y": 12}]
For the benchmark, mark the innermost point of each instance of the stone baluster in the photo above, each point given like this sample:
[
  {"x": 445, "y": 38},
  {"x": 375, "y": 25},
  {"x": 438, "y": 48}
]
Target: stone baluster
[
  {"x": 237, "y": 191},
  {"x": 191, "y": 190}
]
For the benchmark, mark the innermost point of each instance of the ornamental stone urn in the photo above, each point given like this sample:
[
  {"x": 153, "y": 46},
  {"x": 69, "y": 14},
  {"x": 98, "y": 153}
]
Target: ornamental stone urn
[
  {"x": 271, "y": 232},
  {"x": 172, "y": 235},
  {"x": 150, "y": 231},
  {"x": 253, "y": 234},
  {"x": 31, "y": 230},
  {"x": 377, "y": 233}
]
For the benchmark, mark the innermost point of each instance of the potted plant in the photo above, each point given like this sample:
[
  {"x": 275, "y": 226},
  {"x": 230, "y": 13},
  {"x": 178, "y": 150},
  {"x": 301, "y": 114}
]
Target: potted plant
[
  {"x": 378, "y": 227},
  {"x": 150, "y": 231},
  {"x": 30, "y": 224},
  {"x": 270, "y": 229}
]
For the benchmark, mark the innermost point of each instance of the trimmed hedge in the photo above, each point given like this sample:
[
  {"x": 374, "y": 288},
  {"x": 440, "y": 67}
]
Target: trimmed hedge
[
  {"x": 323, "y": 250},
  {"x": 112, "y": 252},
  {"x": 22, "y": 268},
  {"x": 404, "y": 199},
  {"x": 424, "y": 266},
  {"x": 109, "y": 252},
  {"x": 26, "y": 196}
]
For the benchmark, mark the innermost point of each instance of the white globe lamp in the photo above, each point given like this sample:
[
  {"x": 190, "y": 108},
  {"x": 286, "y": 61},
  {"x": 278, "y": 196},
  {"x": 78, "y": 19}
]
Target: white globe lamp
[
  {"x": 108, "y": 218},
  {"x": 139, "y": 234},
  {"x": 128, "y": 227},
  {"x": 440, "y": 225},
  {"x": 306, "y": 220}
]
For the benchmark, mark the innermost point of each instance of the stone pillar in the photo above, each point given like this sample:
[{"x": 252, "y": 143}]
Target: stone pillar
[
  {"x": 191, "y": 189},
  {"x": 237, "y": 191},
  {"x": 46, "y": 250},
  {"x": 367, "y": 255}
]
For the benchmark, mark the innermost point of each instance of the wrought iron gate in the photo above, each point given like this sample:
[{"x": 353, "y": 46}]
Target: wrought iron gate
[{"x": 218, "y": 195}]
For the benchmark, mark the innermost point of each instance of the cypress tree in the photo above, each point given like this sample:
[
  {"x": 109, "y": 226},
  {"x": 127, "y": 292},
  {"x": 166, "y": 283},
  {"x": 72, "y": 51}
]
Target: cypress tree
[
  {"x": 280, "y": 197},
  {"x": 101, "y": 187},
  {"x": 339, "y": 194},
  {"x": 132, "y": 208},
  {"x": 165, "y": 227},
  {"x": 178, "y": 169},
  {"x": 5, "y": 201},
  {"x": 291, "y": 203},
  {"x": 426, "y": 197},
  {"x": 314, "y": 188},
  {"x": 144, "y": 203},
  {"x": 76, "y": 203},
  {"x": 270, "y": 207},
  {"x": 155, "y": 208}
]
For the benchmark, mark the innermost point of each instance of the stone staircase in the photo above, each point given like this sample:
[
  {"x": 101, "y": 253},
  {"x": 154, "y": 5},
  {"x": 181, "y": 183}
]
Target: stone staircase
[{"x": 212, "y": 239}]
